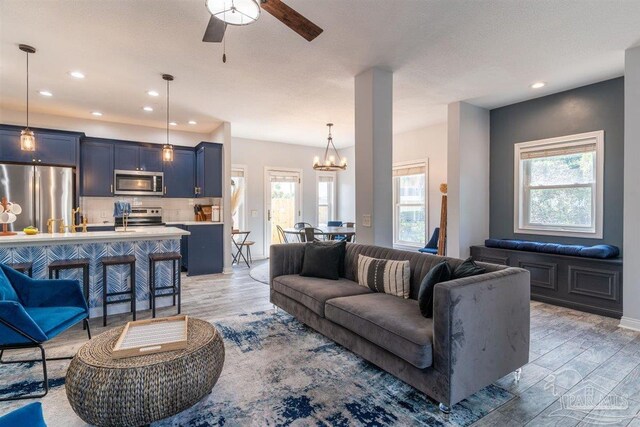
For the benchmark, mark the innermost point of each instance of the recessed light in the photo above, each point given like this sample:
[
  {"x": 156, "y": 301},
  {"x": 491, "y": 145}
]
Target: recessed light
[
  {"x": 173, "y": 123},
  {"x": 193, "y": 122},
  {"x": 538, "y": 85},
  {"x": 77, "y": 74},
  {"x": 96, "y": 113},
  {"x": 147, "y": 108},
  {"x": 152, "y": 93}
]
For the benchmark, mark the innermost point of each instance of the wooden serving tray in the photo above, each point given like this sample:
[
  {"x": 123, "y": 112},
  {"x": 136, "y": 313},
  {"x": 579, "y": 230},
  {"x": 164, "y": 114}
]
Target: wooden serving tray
[{"x": 151, "y": 336}]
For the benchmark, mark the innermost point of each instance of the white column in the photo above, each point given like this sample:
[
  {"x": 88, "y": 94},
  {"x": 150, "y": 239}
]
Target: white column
[
  {"x": 467, "y": 178},
  {"x": 631, "y": 226},
  {"x": 222, "y": 135},
  {"x": 373, "y": 152}
]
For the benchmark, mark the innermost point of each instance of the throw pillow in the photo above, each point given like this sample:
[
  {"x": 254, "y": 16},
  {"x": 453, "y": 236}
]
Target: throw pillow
[
  {"x": 323, "y": 260},
  {"x": 343, "y": 251},
  {"x": 383, "y": 275},
  {"x": 441, "y": 272},
  {"x": 467, "y": 268}
]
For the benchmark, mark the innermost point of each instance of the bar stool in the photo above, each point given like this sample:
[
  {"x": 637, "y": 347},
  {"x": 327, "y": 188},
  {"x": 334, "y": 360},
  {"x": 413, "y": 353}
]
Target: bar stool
[
  {"x": 72, "y": 264},
  {"x": 107, "y": 261},
  {"x": 23, "y": 267},
  {"x": 175, "y": 284},
  {"x": 247, "y": 244}
]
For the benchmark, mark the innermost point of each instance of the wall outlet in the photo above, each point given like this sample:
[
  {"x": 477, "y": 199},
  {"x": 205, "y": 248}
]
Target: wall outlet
[
  {"x": 254, "y": 213},
  {"x": 366, "y": 220}
]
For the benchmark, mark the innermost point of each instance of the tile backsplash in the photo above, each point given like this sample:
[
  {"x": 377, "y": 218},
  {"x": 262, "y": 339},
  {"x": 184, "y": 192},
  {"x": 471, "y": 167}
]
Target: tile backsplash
[{"x": 100, "y": 209}]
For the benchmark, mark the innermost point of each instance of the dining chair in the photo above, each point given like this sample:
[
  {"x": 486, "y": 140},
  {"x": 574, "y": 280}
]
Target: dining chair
[
  {"x": 339, "y": 237},
  {"x": 301, "y": 225},
  {"x": 313, "y": 234},
  {"x": 282, "y": 235},
  {"x": 33, "y": 312}
]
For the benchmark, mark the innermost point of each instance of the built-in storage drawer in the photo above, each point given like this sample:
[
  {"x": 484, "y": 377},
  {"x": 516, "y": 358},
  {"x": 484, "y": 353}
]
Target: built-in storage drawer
[{"x": 587, "y": 284}]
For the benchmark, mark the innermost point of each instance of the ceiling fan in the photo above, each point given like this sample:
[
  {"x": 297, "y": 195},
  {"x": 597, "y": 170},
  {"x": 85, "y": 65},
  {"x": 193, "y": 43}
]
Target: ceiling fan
[{"x": 245, "y": 12}]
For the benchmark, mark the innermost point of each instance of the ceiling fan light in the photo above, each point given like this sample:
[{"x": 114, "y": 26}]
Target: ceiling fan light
[
  {"x": 235, "y": 12},
  {"x": 27, "y": 140}
]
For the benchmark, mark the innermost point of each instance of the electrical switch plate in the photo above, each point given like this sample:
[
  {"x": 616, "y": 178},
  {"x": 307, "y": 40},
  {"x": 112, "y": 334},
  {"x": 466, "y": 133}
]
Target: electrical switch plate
[
  {"x": 254, "y": 213},
  {"x": 366, "y": 220}
]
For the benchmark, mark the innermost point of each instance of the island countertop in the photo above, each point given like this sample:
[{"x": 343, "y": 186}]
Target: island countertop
[{"x": 133, "y": 234}]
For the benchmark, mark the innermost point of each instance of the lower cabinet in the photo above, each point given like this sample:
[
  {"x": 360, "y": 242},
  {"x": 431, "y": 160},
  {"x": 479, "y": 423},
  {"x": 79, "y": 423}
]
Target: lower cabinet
[
  {"x": 586, "y": 284},
  {"x": 203, "y": 250}
]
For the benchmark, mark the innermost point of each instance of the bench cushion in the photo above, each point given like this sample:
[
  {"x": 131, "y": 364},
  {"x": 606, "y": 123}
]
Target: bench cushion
[
  {"x": 596, "y": 251},
  {"x": 392, "y": 323},
  {"x": 313, "y": 292}
]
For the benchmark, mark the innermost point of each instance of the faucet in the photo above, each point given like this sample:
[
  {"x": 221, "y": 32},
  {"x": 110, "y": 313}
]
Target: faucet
[
  {"x": 72, "y": 228},
  {"x": 52, "y": 221}
]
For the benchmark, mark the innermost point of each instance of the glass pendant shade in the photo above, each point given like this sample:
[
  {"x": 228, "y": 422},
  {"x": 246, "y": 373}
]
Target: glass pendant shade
[
  {"x": 235, "y": 12},
  {"x": 27, "y": 140},
  {"x": 167, "y": 153}
]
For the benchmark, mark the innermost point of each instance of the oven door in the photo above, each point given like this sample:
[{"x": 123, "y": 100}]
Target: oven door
[{"x": 137, "y": 183}]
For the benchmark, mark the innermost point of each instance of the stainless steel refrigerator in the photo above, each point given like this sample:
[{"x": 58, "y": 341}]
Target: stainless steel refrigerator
[{"x": 43, "y": 192}]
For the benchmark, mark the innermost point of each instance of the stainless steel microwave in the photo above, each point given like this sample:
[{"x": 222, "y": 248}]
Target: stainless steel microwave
[{"x": 137, "y": 183}]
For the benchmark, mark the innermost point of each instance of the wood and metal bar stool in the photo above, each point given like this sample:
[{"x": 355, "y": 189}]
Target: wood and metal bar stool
[
  {"x": 23, "y": 267},
  {"x": 175, "y": 286},
  {"x": 108, "y": 261},
  {"x": 73, "y": 264}
]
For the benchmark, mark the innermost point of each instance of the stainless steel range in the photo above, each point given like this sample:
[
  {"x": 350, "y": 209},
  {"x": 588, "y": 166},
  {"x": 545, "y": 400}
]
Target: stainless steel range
[{"x": 143, "y": 217}]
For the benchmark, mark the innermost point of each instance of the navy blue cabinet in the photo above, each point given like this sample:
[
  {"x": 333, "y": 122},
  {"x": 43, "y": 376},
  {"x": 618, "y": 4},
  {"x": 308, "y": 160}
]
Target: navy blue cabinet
[
  {"x": 96, "y": 168},
  {"x": 209, "y": 169},
  {"x": 137, "y": 157},
  {"x": 52, "y": 148},
  {"x": 179, "y": 175},
  {"x": 202, "y": 251}
]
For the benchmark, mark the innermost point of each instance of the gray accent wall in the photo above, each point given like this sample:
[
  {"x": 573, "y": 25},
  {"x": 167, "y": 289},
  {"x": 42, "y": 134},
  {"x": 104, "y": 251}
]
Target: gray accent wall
[{"x": 599, "y": 106}]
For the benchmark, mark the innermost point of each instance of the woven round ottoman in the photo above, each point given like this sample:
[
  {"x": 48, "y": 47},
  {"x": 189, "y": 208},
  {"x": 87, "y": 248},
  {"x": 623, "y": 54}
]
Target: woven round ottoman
[{"x": 139, "y": 390}]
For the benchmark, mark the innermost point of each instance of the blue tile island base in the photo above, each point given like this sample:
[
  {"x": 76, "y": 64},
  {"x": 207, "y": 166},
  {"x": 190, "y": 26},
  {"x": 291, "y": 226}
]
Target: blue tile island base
[
  {"x": 43, "y": 252},
  {"x": 279, "y": 372}
]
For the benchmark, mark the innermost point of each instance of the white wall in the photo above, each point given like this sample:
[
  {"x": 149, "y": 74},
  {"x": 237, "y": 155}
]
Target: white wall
[
  {"x": 346, "y": 189},
  {"x": 428, "y": 143},
  {"x": 103, "y": 128},
  {"x": 256, "y": 155},
  {"x": 631, "y": 242},
  {"x": 467, "y": 178}
]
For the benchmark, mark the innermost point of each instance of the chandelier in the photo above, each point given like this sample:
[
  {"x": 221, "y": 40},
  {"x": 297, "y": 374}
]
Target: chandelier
[{"x": 331, "y": 162}]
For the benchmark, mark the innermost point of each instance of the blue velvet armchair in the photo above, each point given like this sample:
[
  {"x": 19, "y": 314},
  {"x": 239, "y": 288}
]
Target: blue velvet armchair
[
  {"x": 432, "y": 244},
  {"x": 35, "y": 311}
]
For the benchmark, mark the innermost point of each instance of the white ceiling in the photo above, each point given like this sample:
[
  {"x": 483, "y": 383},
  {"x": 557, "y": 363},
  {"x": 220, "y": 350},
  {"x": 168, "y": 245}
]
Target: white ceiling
[{"x": 277, "y": 86}]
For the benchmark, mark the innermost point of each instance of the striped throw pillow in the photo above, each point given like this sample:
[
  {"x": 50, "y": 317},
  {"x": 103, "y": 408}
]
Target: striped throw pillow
[{"x": 383, "y": 275}]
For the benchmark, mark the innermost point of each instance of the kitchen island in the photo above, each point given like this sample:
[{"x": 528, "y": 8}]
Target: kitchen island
[{"x": 41, "y": 249}]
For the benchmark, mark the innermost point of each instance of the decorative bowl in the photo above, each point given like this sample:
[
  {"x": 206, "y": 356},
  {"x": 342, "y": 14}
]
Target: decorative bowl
[{"x": 31, "y": 231}]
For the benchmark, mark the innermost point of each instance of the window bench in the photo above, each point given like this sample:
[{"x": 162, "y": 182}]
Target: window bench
[{"x": 588, "y": 284}]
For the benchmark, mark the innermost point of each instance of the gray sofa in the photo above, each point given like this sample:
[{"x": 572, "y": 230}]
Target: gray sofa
[{"x": 478, "y": 334}]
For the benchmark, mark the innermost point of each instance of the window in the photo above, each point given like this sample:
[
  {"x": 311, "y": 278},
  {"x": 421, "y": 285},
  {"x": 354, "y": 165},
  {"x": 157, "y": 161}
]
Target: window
[
  {"x": 409, "y": 197},
  {"x": 238, "y": 191},
  {"x": 326, "y": 197},
  {"x": 558, "y": 186}
]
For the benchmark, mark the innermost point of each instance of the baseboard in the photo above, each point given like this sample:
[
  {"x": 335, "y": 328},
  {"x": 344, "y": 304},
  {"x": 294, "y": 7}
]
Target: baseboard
[{"x": 630, "y": 323}]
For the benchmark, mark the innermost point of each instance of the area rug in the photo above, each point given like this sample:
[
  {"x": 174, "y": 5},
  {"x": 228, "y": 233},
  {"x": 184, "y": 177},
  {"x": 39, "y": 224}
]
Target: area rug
[
  {"x": 260, "y": 273},
  {"x": 279, "y": 372}
]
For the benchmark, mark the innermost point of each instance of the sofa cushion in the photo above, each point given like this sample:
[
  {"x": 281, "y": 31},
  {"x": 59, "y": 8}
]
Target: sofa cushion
[
  {"x": 313, "y": 292},
  {"x": 392, "y": 323},
  {"x": 386, "y": 276}
]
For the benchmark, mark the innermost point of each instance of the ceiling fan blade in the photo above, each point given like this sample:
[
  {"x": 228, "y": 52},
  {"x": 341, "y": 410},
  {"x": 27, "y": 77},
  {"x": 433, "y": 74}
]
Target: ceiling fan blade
[
  {"x": 292, "y": 19},
  {"x": 215, "y": 30}
]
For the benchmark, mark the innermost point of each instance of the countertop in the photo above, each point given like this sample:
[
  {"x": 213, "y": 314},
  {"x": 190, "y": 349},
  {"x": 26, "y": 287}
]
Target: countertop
[{"x": 134, "y": 233}]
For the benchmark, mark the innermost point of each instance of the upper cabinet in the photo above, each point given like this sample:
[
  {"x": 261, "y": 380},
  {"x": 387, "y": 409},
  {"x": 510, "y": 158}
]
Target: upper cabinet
[
  {"x": 96, "y": 168},
  {"x": 138, "y": 157},
  {"x": 179, "y": 175},
  {"x": 52, "y": 148},
  {"x": 209, "y": 170}
]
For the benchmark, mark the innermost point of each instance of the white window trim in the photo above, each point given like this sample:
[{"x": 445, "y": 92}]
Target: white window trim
[
  {"x": 334, "y": 210},
  {"x": 518, "y": 198},
  {"x": 402, "y": 165},
  {"x": 245, "y": 208}
]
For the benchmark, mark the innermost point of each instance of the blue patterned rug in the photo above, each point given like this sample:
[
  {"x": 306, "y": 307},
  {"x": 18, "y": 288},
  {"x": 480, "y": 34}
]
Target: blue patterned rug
[{"x": 279, "y": 372}]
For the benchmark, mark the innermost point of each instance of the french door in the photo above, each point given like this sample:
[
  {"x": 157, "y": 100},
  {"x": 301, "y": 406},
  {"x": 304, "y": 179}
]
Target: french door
[{"x": 283, "y": 202}]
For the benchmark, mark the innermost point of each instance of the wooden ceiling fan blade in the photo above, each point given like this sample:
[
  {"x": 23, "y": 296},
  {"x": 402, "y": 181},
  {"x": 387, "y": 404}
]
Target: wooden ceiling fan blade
[
  {"x": 215, "y": 30},
  {"x": 292, "y": 19}
]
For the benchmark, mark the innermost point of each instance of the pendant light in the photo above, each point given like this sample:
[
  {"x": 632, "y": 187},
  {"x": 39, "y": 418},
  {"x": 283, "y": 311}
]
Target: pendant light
[
  {"x": 27, "y": 138},
  {"x": 167, "y": 149},
  {"x": 329, "y": 161}
]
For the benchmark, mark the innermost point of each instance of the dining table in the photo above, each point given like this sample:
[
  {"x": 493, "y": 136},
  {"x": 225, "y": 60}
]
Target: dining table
[{"x": 322, "y": 231}]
